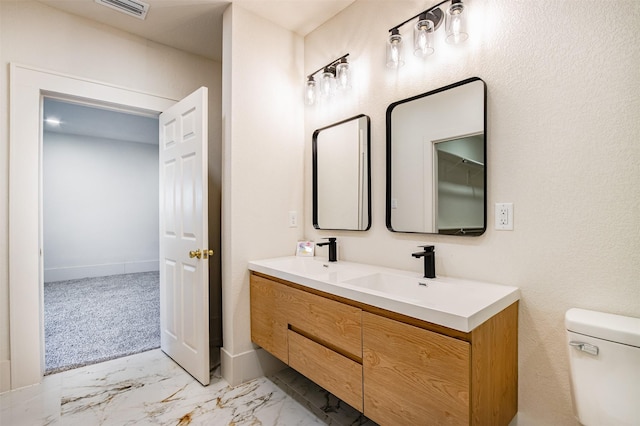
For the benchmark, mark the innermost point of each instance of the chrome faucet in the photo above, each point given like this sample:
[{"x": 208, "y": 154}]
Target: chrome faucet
[
  {"x": 333, "y": 248},
  {"x": 429, "y": 256}
]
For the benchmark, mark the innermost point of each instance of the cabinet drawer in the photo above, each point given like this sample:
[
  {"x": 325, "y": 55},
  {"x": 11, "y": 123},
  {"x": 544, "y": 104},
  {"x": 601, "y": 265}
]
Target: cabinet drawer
[
  {"x": 412, "y": 374},
  {"x": 336, "y": 373},
  {"x": 332, "y": 323}
]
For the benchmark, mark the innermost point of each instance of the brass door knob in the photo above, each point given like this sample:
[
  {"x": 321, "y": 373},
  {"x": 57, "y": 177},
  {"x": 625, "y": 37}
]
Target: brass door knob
[{"x": 201, "y": 254}]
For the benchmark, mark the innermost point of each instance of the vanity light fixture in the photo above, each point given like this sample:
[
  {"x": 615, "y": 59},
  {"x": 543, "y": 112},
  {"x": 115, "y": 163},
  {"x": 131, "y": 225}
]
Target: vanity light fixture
[
  {"x": 455, "y": 23},
  {"x": 423, "y": 32},
  {"x": 336, "y": 75},
  {"x": 310, "y": 91},
  {"x": 328, "y": 82},
  {"x": 394, "y": 49},
  {"x": 343, "y": 74}
]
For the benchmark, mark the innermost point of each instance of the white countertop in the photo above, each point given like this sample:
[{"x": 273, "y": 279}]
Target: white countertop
[{"x": 455, "y": 303}]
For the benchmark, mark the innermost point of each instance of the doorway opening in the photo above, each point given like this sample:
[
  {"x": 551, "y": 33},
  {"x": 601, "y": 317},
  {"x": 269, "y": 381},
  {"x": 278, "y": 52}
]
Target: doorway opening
[
  {"x": 100, "y": 190},
  {"x": 28, "y": 86}
]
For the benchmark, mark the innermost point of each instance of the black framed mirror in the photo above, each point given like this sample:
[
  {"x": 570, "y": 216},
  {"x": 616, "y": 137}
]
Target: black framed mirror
[
  {"x": 436, "y": 161},
  {"x": 342, "y": 175}
]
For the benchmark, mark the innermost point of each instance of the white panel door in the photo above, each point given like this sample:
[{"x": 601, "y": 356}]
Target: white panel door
[{"x": 184, "y": 279}]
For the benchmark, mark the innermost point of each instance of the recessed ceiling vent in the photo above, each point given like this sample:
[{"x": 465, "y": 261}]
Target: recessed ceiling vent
[{"x": 130, "y": 7}]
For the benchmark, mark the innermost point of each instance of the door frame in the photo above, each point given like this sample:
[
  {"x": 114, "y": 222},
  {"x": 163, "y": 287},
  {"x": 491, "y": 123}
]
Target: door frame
[{"x": 28, "y": 85}]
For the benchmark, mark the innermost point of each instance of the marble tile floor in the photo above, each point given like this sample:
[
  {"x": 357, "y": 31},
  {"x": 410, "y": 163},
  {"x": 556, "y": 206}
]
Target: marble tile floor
[
  {"x": 150, "y": 389},
  {"x": 319, "y": 401}
]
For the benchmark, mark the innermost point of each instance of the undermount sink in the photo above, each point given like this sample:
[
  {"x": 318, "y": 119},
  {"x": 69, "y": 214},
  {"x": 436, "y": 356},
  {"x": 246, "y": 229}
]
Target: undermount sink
[{"x": 410, "y": 288}]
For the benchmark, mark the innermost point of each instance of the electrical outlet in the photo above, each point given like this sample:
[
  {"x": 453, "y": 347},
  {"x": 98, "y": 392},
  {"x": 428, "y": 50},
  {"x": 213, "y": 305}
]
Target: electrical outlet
[
  {"x": 504, "y": 216},
  {"x": 293, "y": 219}
]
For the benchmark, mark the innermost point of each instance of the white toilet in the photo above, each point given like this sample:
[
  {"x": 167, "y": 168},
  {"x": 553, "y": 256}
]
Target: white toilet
[{"x": 604, "y": 358}]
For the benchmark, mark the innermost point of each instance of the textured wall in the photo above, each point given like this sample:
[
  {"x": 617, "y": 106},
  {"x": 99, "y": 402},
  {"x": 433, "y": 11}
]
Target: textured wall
[{"x": 563, "y": 83}]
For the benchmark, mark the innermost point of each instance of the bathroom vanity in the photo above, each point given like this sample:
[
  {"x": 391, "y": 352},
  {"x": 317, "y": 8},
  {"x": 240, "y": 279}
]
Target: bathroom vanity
[{"x": 399, "y": 348}]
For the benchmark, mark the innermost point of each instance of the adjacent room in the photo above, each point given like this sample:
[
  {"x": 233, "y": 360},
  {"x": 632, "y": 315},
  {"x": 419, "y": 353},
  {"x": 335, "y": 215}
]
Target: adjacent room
[{"x": 100, "y": 233}]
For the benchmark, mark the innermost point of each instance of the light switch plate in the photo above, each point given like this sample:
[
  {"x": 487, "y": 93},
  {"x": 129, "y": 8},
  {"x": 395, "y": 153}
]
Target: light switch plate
[
  {"x": 293, "y": 219},
  {"x": 504, "y": 216}
]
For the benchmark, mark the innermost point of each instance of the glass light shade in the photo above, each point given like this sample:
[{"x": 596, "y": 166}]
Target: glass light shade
[
  {"x": 455, "y": 23},
  {"x": 343, "y": 76},
  {"x": 423, "y": 38},
  {"x": 310, "y": 92},
  {"x": 394, "y": 50},
  {"x": 327, "y": 84}
]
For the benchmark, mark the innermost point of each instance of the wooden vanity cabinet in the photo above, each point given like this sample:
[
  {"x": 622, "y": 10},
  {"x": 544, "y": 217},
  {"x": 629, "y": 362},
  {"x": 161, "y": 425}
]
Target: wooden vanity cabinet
[
  {"x": 319, "y": 337},
  {"x": 393, "y": 368}
]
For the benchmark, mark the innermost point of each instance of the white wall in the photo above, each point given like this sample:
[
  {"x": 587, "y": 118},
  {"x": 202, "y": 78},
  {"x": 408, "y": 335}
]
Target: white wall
[
  {"x": 34, "y": 34},
  {"x": 100, "y": 207},
  {"x": 563, "y": 132},
  {"x": 263, "y": 168}
]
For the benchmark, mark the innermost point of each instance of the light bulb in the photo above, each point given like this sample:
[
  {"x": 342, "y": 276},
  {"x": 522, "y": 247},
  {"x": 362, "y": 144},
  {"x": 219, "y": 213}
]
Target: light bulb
[
  {"x": 327, "y": 83},
  {"x": 394, "y": 50},
  {"x": 423, "y": 37},
  {"x": 310, "y": 91},
  {"x": 455, "y": 23},
  {"x": 343, "y": 75}
]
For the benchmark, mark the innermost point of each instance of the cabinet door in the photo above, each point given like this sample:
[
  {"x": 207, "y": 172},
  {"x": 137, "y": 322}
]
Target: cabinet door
[
  {"x": 413, "y": 376},
  {"x": 268, "y": 318}
]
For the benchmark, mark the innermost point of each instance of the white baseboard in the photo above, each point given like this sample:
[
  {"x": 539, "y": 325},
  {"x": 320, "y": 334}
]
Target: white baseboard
[
  {"x": 75, "y": 272},
  {"x": 5, "y": 375},
  {"x": 240, "y": 368}
]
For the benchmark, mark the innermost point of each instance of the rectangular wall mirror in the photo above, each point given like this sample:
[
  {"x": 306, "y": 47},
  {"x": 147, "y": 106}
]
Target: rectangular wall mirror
[
  {"x": 436, "y": 161},
  {"x": 342, "y": 175}
]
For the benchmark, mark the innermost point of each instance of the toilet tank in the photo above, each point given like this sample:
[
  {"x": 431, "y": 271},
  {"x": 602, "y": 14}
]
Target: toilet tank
[{"x": 604, "y": 360}]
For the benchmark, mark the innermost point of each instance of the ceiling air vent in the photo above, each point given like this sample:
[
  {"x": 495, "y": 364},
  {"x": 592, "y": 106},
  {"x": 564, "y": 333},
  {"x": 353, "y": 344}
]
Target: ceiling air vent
[{"x": 130, "y": 7}]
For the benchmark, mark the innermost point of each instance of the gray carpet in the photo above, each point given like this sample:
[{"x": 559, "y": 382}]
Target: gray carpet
[{"x": 93, "y": 320}]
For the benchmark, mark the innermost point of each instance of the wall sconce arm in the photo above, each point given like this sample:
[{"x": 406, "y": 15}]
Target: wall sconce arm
[
  {"x": 431, "y": 9},
  {"x": 329, "y": 65}
]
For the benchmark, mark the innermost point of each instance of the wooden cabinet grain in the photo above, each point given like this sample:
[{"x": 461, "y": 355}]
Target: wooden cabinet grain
[
  {"x": 319, "y": 337},
  {"x": 334, "y": 324},
  {"x": 268, "y": 318},
  {"x": 396, "y": 369},
  {"x": 412, "y": 374},
  {"x": 332, "y": 371}
]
